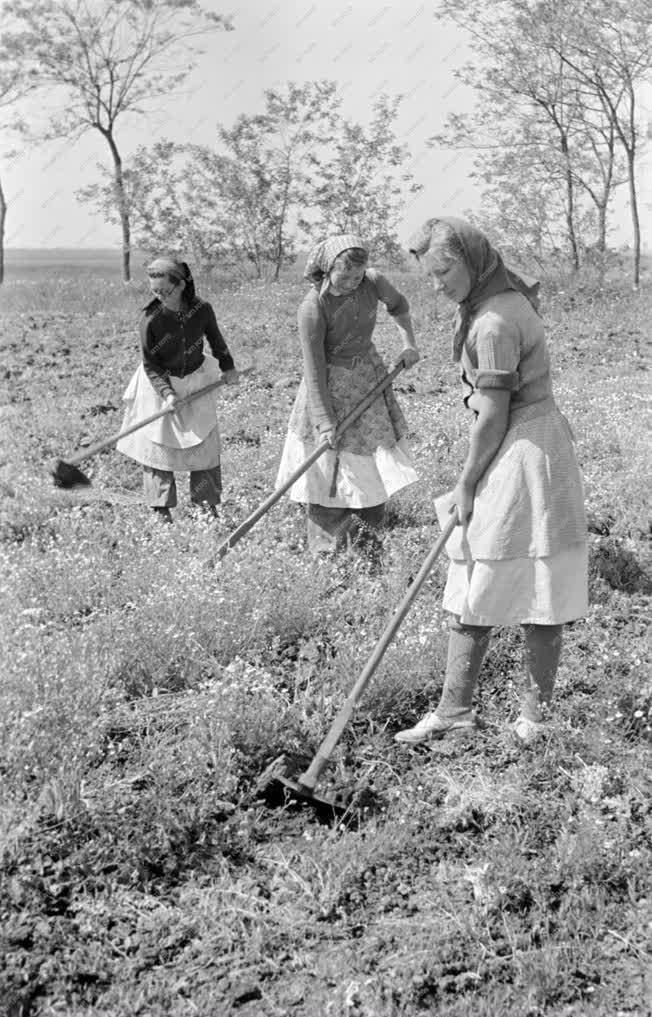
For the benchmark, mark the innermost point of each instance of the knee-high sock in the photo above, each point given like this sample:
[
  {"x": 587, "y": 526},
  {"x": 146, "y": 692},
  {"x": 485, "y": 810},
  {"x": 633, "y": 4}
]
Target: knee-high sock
[
  {"x": 542, "y": 652},
  {"x": 467, "y": 645}
]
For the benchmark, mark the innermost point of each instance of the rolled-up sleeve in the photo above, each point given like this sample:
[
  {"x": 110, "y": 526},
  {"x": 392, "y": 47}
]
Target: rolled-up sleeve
[
  {"x": 498, "y": 349},
  {"x": 395, "y": 302}
]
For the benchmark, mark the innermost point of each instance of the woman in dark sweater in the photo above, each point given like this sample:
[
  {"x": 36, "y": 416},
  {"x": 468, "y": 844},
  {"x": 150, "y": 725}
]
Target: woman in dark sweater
[{"x": 173, "y": 327}]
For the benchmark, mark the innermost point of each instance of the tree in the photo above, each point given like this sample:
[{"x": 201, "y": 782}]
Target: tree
[
  {"x": 527, "y": 219},
  {"x": 528, "y": 173},
  {"x": 194, "y": 202},
  {"x": 169, "y": 211},
  {"x": 232, "y": 204},
  {"x": 360, "y": 184},
  {"x": 536, "y": 91},
  {"x": 611, "y": 53},
  {"x": 13, "y": 86},
  {"x": 107, "y": 59},
  {"x": 297, "y": 165},
  {"x": 274, "y": 155}
]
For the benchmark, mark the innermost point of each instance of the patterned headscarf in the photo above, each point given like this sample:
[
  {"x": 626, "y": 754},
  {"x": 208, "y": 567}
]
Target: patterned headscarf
[
  {"x": 321, "y": 258},
  {"x": 489, "y": 274}
]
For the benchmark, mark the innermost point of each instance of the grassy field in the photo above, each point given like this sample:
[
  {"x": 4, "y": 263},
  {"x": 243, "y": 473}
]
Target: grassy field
[
  {"x": 26, "y": 264},
  {"x": 142, "y": 696}
]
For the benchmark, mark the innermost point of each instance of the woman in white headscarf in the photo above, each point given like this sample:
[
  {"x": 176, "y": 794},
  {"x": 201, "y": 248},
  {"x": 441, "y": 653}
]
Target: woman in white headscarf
[
  {"x": 173, "y": 328},
  {"x": 371, "y": 460}
]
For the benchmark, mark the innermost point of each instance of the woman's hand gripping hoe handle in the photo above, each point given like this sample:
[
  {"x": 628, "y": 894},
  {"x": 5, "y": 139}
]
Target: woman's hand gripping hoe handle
[
  {"x": 276, "y": 495},
  {"x": 308, "y": 780},
  {"x": 92, "y": 450},
  {"x": 65, "y": 472}
]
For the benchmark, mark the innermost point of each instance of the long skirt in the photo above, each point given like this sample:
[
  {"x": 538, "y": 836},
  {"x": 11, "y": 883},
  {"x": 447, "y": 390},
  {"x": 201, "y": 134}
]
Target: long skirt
[{"x": 373, "y": 459}]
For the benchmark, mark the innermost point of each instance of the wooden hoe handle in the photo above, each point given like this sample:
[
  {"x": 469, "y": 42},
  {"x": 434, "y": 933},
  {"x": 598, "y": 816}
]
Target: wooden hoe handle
[{"x": 309, "y": 779}]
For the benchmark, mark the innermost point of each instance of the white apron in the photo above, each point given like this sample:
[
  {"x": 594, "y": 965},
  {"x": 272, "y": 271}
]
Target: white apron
[{"x": 186, "y": 439}]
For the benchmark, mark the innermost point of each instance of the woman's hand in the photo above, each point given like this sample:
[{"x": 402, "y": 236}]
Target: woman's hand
[
  {"x": 231, "y": 377},
  {"x": 410, "y": 356},
  {"x": 329, "y": 435},
  {"x": 461, "y": 502},
  {"x": 171, "y": 401}
]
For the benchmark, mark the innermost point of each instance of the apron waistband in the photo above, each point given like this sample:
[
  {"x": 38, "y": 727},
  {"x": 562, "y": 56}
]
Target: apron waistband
[
  {"x": 532, "y": 410},
  {"x": 341, "y": 360},
  {"x": 188, "y": 373}
]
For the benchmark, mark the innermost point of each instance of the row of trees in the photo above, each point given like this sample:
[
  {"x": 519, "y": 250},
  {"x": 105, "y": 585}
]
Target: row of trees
[
  {"x": 555, "y": 132},
  {"x": 300, "y": 165},
  {"x": 556, "y": 128}
]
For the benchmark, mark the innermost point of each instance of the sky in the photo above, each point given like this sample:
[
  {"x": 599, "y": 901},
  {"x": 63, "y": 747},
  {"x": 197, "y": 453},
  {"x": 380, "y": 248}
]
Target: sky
[{"x": 367, "y": 48}]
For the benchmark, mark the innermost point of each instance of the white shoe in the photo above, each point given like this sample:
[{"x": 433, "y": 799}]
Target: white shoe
[
  {"x": 432, "y": 727},
  {"x": 527, "y": 731}
]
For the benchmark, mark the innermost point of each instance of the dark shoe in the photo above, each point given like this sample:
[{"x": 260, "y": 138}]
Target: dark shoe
[
  {"x": 163, "y": 513},
  {"x": 369, "y": 545},
  {"x": 204, "y": 509}
]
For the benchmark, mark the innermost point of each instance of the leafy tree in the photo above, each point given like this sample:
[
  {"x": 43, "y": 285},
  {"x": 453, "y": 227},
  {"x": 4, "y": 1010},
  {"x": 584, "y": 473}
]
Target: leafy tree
[
  {"x": 14, "y": 85},
  {"x": 538, "y": 100},
  {"x": 529, "y": 195},
  {"x": 360, "y": 184},
  {"x": 170, "y": 207},
  {"x": 235, "y": 206},
  {"x": 295, "y": 165},
  {"x": 273, "y": 157},
  {"x": 106, "y": 59},
  {"x": 191, "y": 201},
  {"x": 611, "y": 54},
  {"x": 528, "y": 217}
]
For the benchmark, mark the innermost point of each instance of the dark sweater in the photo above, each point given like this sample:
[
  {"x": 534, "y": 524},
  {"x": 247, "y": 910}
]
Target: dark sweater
[{"x": 172, "y": 342}]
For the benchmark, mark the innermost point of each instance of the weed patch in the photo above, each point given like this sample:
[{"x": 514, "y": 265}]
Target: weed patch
[{"x": 143, "y": 695}]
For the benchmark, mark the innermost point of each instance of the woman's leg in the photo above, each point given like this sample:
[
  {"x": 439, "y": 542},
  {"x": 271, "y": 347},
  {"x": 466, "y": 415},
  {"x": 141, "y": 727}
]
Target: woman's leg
[
  {"x": 542, "y": 653},
  {"x": 367, "y": 539},
  {"x": 206, "y": 486},
  {"x": 327, "y": 528},
  {"x": 467, "y": 646},
  {"x": 372, "y": 516},
  {"x": 160, "y": 490}
]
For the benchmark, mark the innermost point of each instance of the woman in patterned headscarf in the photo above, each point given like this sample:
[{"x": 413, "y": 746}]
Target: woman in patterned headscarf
[
  {"x": 173, "y": 327},
  {"x": 341, "y": 364},
  {"x": 519, "y": 555}
]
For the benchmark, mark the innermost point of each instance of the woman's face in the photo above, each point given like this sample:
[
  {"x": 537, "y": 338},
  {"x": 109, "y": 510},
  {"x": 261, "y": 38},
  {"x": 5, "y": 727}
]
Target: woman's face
[
  {"x": 164, "y": 286},
  {"x": 344, "y": 276},
  {"x": 450, "y": 276}
]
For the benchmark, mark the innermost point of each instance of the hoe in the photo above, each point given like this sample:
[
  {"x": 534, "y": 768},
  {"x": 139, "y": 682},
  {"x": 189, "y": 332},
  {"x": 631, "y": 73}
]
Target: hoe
[
  {"x": 266, "y": 505},
  {"x": 276, "y": 784},
  {"x": 65, "y": 471}
]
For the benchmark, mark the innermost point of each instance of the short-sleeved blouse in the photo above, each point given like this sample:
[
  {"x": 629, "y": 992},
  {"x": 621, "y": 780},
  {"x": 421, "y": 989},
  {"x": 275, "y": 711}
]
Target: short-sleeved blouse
[
  {"x": 530, "y": 500},
  {"x": 506, "y": 349}
]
